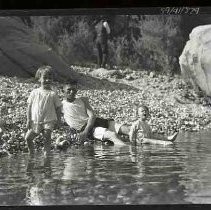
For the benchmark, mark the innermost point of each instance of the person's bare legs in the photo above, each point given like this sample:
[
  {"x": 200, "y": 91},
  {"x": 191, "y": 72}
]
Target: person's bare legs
[
  {"x": 47, "y": 166},
  {"x": 99, "y": 55},
  {"x": 30, "y": 135},
  {"x": 112, "y": 136},
  {"x": 47, "y": 142},
  {"x": 104, "y": 60},
  {"x": 124, "y": 129},
  {"x": 165, "y": 138},
  {"x": 173, "y": 137}
]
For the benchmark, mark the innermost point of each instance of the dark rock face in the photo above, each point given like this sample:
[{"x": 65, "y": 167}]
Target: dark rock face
[
  {"x": 195, "y": 60},
  {"x": 21, "y": 54}
]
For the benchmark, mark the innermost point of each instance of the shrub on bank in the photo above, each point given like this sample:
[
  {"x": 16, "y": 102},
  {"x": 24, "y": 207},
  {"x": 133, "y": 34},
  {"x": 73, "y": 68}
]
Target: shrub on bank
[{"x": 138, "y": 41}]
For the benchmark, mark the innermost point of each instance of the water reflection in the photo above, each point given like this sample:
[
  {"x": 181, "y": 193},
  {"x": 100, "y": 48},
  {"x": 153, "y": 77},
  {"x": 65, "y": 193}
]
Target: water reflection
[
  {"x": 12, "y": 180},
  {"x": 196, "y": 177},
  {"x": 148, "y": 174},
  {"x": 78, "y": 165},
  {"x": 38, "y": 178}
]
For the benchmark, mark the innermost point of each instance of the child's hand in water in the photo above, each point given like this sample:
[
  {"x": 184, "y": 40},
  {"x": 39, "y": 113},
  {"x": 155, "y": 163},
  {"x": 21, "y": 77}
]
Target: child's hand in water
[{"x": 61, "y": 143}]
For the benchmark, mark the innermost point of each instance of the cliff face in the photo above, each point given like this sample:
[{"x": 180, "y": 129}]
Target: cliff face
[
  {"x": 195, "y": 60},
  {"x": 21, "y": 54}
]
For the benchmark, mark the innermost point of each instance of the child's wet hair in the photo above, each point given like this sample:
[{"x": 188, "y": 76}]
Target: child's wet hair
[
  {"x": 70, "y": 84},
  {"x": 44, "y": 70}
]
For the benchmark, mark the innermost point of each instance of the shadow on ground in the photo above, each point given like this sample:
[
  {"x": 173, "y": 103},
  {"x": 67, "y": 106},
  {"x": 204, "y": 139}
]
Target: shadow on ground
[{"x": 89, "y": 82}]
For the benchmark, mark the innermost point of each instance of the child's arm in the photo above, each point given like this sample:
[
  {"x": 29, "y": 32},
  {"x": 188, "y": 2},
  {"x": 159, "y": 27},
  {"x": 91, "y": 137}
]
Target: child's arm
[
  {"x": 90, "y": 121},
  {"x": 28, "y": 111},
  {"x": 58, "y": 109},
  {"x": 149, "y": 134}
]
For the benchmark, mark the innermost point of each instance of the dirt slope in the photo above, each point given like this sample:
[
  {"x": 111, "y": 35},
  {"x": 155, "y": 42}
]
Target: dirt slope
[{"x": 21, "y": 55}]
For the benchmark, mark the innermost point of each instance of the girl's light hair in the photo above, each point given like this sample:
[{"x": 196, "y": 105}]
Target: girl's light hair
[{"x": 43, "y": 70}]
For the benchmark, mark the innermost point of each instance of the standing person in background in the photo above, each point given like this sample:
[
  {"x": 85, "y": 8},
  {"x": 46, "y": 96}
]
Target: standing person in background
[{"x": 102, "y": 31}]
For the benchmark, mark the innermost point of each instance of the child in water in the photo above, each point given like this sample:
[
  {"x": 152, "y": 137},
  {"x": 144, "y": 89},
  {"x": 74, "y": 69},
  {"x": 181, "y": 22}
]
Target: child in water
[
  {"x": 144, "y": 131},
  {"x": 44, "y": 110}
]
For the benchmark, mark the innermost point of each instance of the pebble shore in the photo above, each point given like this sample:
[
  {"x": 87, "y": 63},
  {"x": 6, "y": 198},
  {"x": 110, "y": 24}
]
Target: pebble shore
[{"x": 156, "y": 91}]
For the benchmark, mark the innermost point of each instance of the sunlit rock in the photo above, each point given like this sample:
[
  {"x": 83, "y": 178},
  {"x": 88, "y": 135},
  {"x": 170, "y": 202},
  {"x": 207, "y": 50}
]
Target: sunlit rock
[{"x": 195, "y": 60}]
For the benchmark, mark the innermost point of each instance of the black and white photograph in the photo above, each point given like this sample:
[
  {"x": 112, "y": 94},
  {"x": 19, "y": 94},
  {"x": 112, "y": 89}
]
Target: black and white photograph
[{"x": 105, "y": 109}]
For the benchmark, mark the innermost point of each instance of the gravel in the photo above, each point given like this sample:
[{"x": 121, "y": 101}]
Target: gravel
[{"x": 158, "y": 92}]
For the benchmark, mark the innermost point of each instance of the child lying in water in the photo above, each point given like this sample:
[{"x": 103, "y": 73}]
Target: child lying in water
[{"x": 143, "y": 131}]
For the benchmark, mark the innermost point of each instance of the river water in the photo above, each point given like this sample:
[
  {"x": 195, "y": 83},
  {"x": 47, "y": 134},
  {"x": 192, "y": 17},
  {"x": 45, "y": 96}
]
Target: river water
[{"x": 148, "y": 174}]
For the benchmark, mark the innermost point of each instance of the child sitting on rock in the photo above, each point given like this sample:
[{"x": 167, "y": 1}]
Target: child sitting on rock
[
  {"x": 143, "y": 131},
  {"x": 43, "y": 112}
]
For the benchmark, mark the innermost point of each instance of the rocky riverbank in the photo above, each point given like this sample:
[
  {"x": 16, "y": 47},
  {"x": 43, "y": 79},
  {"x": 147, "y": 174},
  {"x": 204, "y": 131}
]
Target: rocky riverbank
[{"x": 173, "y": 105}]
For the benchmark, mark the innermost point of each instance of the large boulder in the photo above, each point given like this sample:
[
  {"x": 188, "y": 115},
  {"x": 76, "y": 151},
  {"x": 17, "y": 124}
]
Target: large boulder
[{"x": 195, "y": 60}]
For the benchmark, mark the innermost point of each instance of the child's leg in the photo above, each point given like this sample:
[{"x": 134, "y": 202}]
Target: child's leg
[
  {"x": 47, "y": 167},
  {"x": 173, "y": 137},
  {"x": 165, "y": 138},
  {"x": 112, "y": 136},
  {"x": 128, "y": 130},
  {"x": 119, "y": 128},
  {"x": 124, "y": 129},
  {"x": 30, "y": 135},
  {"x": 47, "y": 141}
]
